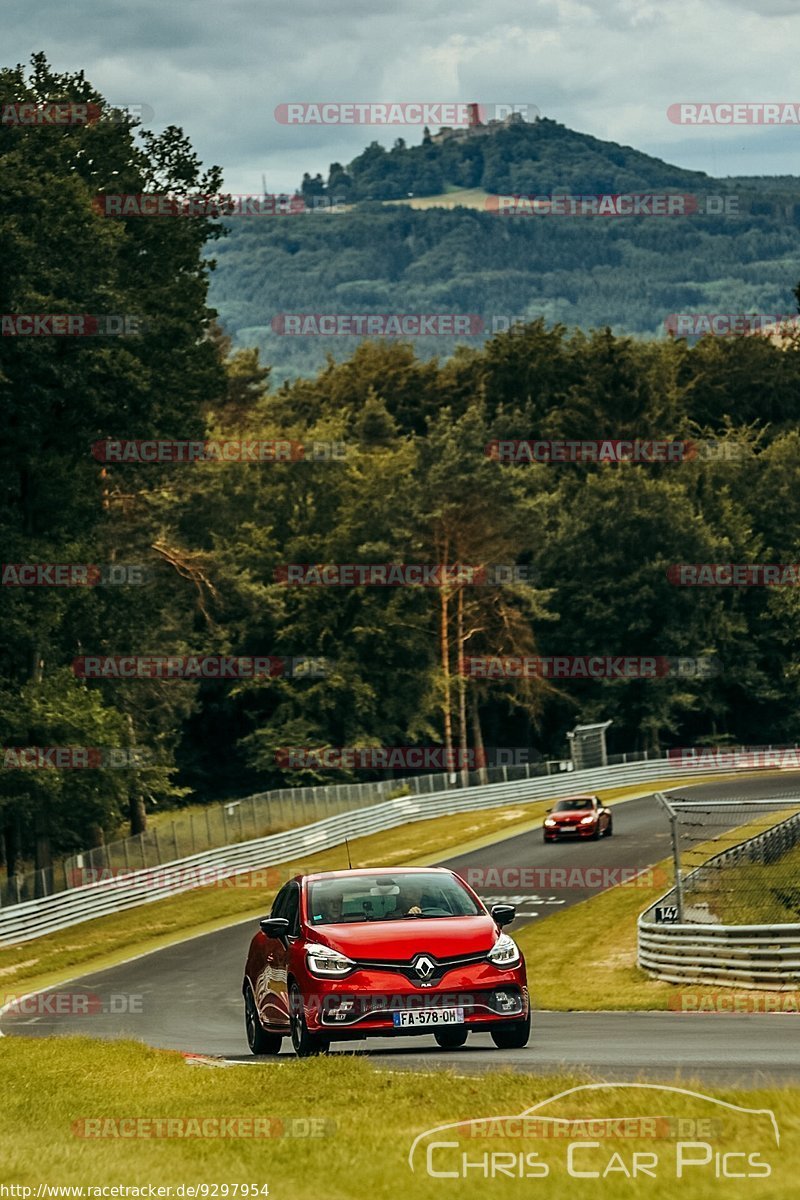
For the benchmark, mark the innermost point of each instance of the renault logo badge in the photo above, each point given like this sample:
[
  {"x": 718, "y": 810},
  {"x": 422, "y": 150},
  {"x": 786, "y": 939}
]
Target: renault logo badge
[{"x": 424, "y": 967}]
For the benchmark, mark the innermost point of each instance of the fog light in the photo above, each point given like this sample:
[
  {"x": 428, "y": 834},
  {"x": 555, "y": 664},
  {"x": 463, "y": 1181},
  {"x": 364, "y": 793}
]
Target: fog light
[{"x": 506, "y": 1003}]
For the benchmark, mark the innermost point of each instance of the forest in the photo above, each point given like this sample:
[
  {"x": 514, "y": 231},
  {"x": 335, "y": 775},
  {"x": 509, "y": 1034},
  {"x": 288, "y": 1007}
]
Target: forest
[{"x": 391, "y": 464}]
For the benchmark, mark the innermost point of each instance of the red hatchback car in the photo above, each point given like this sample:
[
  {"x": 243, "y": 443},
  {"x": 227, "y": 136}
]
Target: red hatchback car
[
  {"x": 376, "y": 953},
  {"x": 578, "y": 817}
]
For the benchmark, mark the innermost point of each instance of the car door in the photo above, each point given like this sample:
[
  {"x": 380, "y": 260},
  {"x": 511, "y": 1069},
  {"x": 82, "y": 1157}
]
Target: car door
[
  {"x": 270, "y": 965},
  {"x": 282, "y": 953}
]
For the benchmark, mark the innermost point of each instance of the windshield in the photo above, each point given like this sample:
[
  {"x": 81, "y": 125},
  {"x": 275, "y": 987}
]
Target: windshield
[
  {"x": 573, "y": 805},
  {"x": 388, "y": 898}
]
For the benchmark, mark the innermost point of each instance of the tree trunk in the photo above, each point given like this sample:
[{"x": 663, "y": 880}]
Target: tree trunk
[
  {"x": 136, "y": 806},
  {"x": 444, "y": 648},
  {"x": 462, "y": 691},
  {"x": 137, "y": 811},
  {"x": 477, "y": 740},
  {"x": 11, "y": 849}
]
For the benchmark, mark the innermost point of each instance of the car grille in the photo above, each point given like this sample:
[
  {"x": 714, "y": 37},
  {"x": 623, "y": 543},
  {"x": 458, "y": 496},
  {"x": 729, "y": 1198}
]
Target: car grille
[{"x": 441, "y": 966}]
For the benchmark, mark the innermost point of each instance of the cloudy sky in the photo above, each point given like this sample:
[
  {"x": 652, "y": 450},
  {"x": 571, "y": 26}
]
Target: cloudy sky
[{"x": 606, "y": 67}]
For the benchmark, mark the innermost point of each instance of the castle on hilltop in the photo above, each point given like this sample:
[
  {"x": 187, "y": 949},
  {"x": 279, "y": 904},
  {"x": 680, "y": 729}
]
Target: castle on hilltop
[{"x": 476, "y": 127}]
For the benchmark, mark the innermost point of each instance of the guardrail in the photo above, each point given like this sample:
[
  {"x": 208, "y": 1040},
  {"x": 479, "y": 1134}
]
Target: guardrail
[
  {"x": 35, "y": 918},
  {"x": 746, "y": 956}
]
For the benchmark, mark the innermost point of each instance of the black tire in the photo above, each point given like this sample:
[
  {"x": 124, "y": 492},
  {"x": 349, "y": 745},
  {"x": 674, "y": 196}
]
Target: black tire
[
  {"x": 609, "y": 828},
  {"x": 596, "y": 834},
  {"x": 305, "y": 1044},
  {"x": 259, "y": 1041},
  {"x": 513, "y": 1035},
  {"x": 451, "y": 1038}
]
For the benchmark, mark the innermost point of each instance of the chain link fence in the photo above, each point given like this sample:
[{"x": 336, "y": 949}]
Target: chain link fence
[{"x": 737, "y": 862}]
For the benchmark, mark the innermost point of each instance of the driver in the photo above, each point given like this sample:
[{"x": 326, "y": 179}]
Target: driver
[
  {"x": 329, "y": 908},
  {"x": 412, "y": 900}
]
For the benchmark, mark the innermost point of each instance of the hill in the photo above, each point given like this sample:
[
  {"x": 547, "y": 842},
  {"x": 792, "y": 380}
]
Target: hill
[{"x": 442, "y": 251}]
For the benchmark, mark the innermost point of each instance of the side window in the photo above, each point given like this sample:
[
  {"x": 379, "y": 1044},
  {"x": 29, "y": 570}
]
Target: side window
[
  {"x": 281, "y": 901},
  {"x": 292, "y": 909}
]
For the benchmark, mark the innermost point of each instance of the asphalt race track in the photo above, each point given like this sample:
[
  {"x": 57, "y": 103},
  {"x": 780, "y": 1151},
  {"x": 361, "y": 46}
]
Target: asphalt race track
[{"x": 187, "y": 997}]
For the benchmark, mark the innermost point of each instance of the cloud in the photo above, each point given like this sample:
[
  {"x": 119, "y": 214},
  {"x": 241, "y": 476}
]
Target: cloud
[{"x": 606, "y": 67}]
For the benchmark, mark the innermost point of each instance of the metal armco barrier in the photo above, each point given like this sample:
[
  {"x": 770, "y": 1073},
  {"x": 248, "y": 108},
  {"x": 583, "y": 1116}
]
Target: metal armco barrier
[
  {"x": 766, "y": 957},
  {"x": 35, "y": 918},
  {"x": 745, "y": 956}
]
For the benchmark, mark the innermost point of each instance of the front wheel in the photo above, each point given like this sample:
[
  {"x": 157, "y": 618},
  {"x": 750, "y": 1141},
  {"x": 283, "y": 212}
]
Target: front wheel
[
  {"x": 451, "y": 1038},
  {"x": 305, "y": 1043},
  {"x": 259, "y": 1041},
  {"x": 609, "y": 828},
  {"x": 512, "y": 1036}
]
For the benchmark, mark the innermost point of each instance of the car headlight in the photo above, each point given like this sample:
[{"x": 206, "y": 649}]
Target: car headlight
[
  {"x": 330, "y": 963},
  {"x": 588, "y": 820},
  {"x": 550, "y": 821},
  {"x": 505, "y": 952}
]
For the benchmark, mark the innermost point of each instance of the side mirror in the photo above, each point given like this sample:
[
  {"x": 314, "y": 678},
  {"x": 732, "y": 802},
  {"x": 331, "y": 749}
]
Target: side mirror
[
  {"x": 548, "y": 810},
  {"x": 503, "y": 914},
  {"x": 274, "y": 927}
]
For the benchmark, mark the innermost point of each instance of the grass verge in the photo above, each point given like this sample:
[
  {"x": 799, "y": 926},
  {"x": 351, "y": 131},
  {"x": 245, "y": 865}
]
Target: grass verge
[{"x": 369, "y": 1119}]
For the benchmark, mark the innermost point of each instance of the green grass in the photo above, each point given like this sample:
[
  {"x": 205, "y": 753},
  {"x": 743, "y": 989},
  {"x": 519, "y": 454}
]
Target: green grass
[
  {"x": 371, "y": 1118},
  {"x": 753, "y": 893},
  {"x": 585, "y": 956}
]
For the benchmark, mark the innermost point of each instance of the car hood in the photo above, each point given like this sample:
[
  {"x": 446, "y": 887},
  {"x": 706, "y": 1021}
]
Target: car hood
[
  {"x": 574, "y": 814},
  {"x": 401, "y": 939}
]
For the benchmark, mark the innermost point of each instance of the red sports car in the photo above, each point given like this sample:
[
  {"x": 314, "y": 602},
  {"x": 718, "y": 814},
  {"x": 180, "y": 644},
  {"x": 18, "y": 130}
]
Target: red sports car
[
  {"x": 376, "y": 953},
  {"x": 578, "y": 817}
]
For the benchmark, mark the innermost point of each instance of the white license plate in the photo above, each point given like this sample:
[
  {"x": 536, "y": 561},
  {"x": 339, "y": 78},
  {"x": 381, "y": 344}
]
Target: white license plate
[{"x": 429, "y": 1016}]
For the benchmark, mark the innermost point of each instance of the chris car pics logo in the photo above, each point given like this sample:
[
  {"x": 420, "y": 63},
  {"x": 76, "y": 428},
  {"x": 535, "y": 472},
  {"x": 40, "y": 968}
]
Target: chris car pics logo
[{"x": 655, "y": 1134}]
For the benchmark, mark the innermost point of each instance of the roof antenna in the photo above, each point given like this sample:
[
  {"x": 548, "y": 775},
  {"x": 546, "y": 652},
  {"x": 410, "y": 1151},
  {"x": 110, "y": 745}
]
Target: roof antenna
[{"x": 347, "y": 845}]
